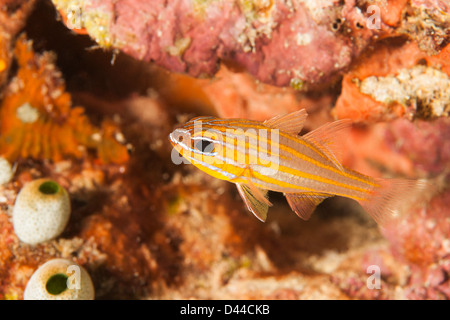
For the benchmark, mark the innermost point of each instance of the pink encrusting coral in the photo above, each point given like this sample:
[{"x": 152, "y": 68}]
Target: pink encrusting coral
[
  {"x": 422, "y": 241},
  {"x": 420, "y": 149},
  {"x": 296, "y": 43},
  {"x": 301, "y": 44}
]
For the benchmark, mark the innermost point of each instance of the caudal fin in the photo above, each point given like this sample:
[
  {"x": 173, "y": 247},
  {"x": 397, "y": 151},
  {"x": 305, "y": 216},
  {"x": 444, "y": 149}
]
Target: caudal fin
[{"x": 393, "y": 198}]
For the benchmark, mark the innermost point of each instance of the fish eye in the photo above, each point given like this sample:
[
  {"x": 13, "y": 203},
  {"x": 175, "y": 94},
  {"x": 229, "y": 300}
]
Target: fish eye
[{"x": 205, "y": 146}]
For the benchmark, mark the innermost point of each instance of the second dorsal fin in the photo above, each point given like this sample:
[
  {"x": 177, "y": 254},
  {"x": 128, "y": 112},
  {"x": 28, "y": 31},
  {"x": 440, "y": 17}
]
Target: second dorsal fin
[
  {"x": 291, "y": 123},
  {"x": 325, "y": 136}
]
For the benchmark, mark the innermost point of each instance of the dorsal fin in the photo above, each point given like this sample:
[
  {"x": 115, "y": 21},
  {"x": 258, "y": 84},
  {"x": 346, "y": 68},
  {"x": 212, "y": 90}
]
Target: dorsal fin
[
  {"x": 291, "y": 123},
  {"x": 303, "y": 204},
  {"x": 325, "y": 136}
]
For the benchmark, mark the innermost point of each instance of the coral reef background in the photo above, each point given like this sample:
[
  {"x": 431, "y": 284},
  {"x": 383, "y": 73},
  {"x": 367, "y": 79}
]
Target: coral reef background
[{"x": 90, "y": 91}]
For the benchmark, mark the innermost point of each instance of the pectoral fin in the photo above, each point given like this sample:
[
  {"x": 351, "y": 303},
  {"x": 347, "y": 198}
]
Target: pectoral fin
[
  {"x": 255, "y": 199},
  {"x": 303, "y": 204}
]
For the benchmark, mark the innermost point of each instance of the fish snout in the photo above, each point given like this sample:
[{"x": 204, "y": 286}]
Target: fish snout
[
  {"x": 180, "y": 137},
  {"x": 172, "y": 139}
]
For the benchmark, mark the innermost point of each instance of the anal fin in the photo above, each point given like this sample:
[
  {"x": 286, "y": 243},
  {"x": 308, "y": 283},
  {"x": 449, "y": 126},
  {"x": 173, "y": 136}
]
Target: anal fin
[{"x": 303, "y": 204}]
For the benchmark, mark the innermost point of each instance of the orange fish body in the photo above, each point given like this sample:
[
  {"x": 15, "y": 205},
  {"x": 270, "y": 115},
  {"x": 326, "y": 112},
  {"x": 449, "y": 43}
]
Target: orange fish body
[{"x": 270, "y": 155}]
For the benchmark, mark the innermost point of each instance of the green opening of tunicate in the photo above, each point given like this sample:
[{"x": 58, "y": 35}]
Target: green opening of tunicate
[
  {"x": 49, "y": 187},
  {"x": 57, "y": 284}
]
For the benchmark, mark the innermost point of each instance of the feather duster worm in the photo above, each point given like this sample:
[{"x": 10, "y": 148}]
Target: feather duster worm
[{"x": 37, "y": 119}]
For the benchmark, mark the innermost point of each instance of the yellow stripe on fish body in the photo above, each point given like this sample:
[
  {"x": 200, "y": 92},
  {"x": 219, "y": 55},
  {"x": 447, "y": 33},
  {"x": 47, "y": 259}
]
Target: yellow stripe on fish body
[
  {"x": 271, "y": 156},
  {"x": 241, "y": 148},
  {"x": 247, "y": 124}
]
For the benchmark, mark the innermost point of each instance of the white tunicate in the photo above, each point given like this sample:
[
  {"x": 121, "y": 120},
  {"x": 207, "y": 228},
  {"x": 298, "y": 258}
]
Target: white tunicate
[
  {"x": 60, "y": 279},
  {"x": 41, "y": 211},
  {"x": 6, "y": 171}
]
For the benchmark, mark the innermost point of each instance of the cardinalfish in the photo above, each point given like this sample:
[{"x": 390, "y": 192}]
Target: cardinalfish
[{"x": 270, "y": 155}]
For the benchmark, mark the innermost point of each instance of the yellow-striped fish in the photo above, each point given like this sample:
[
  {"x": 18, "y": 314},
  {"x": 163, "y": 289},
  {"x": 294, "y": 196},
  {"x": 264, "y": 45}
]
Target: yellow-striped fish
[{"x": 270, "y": 155}]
